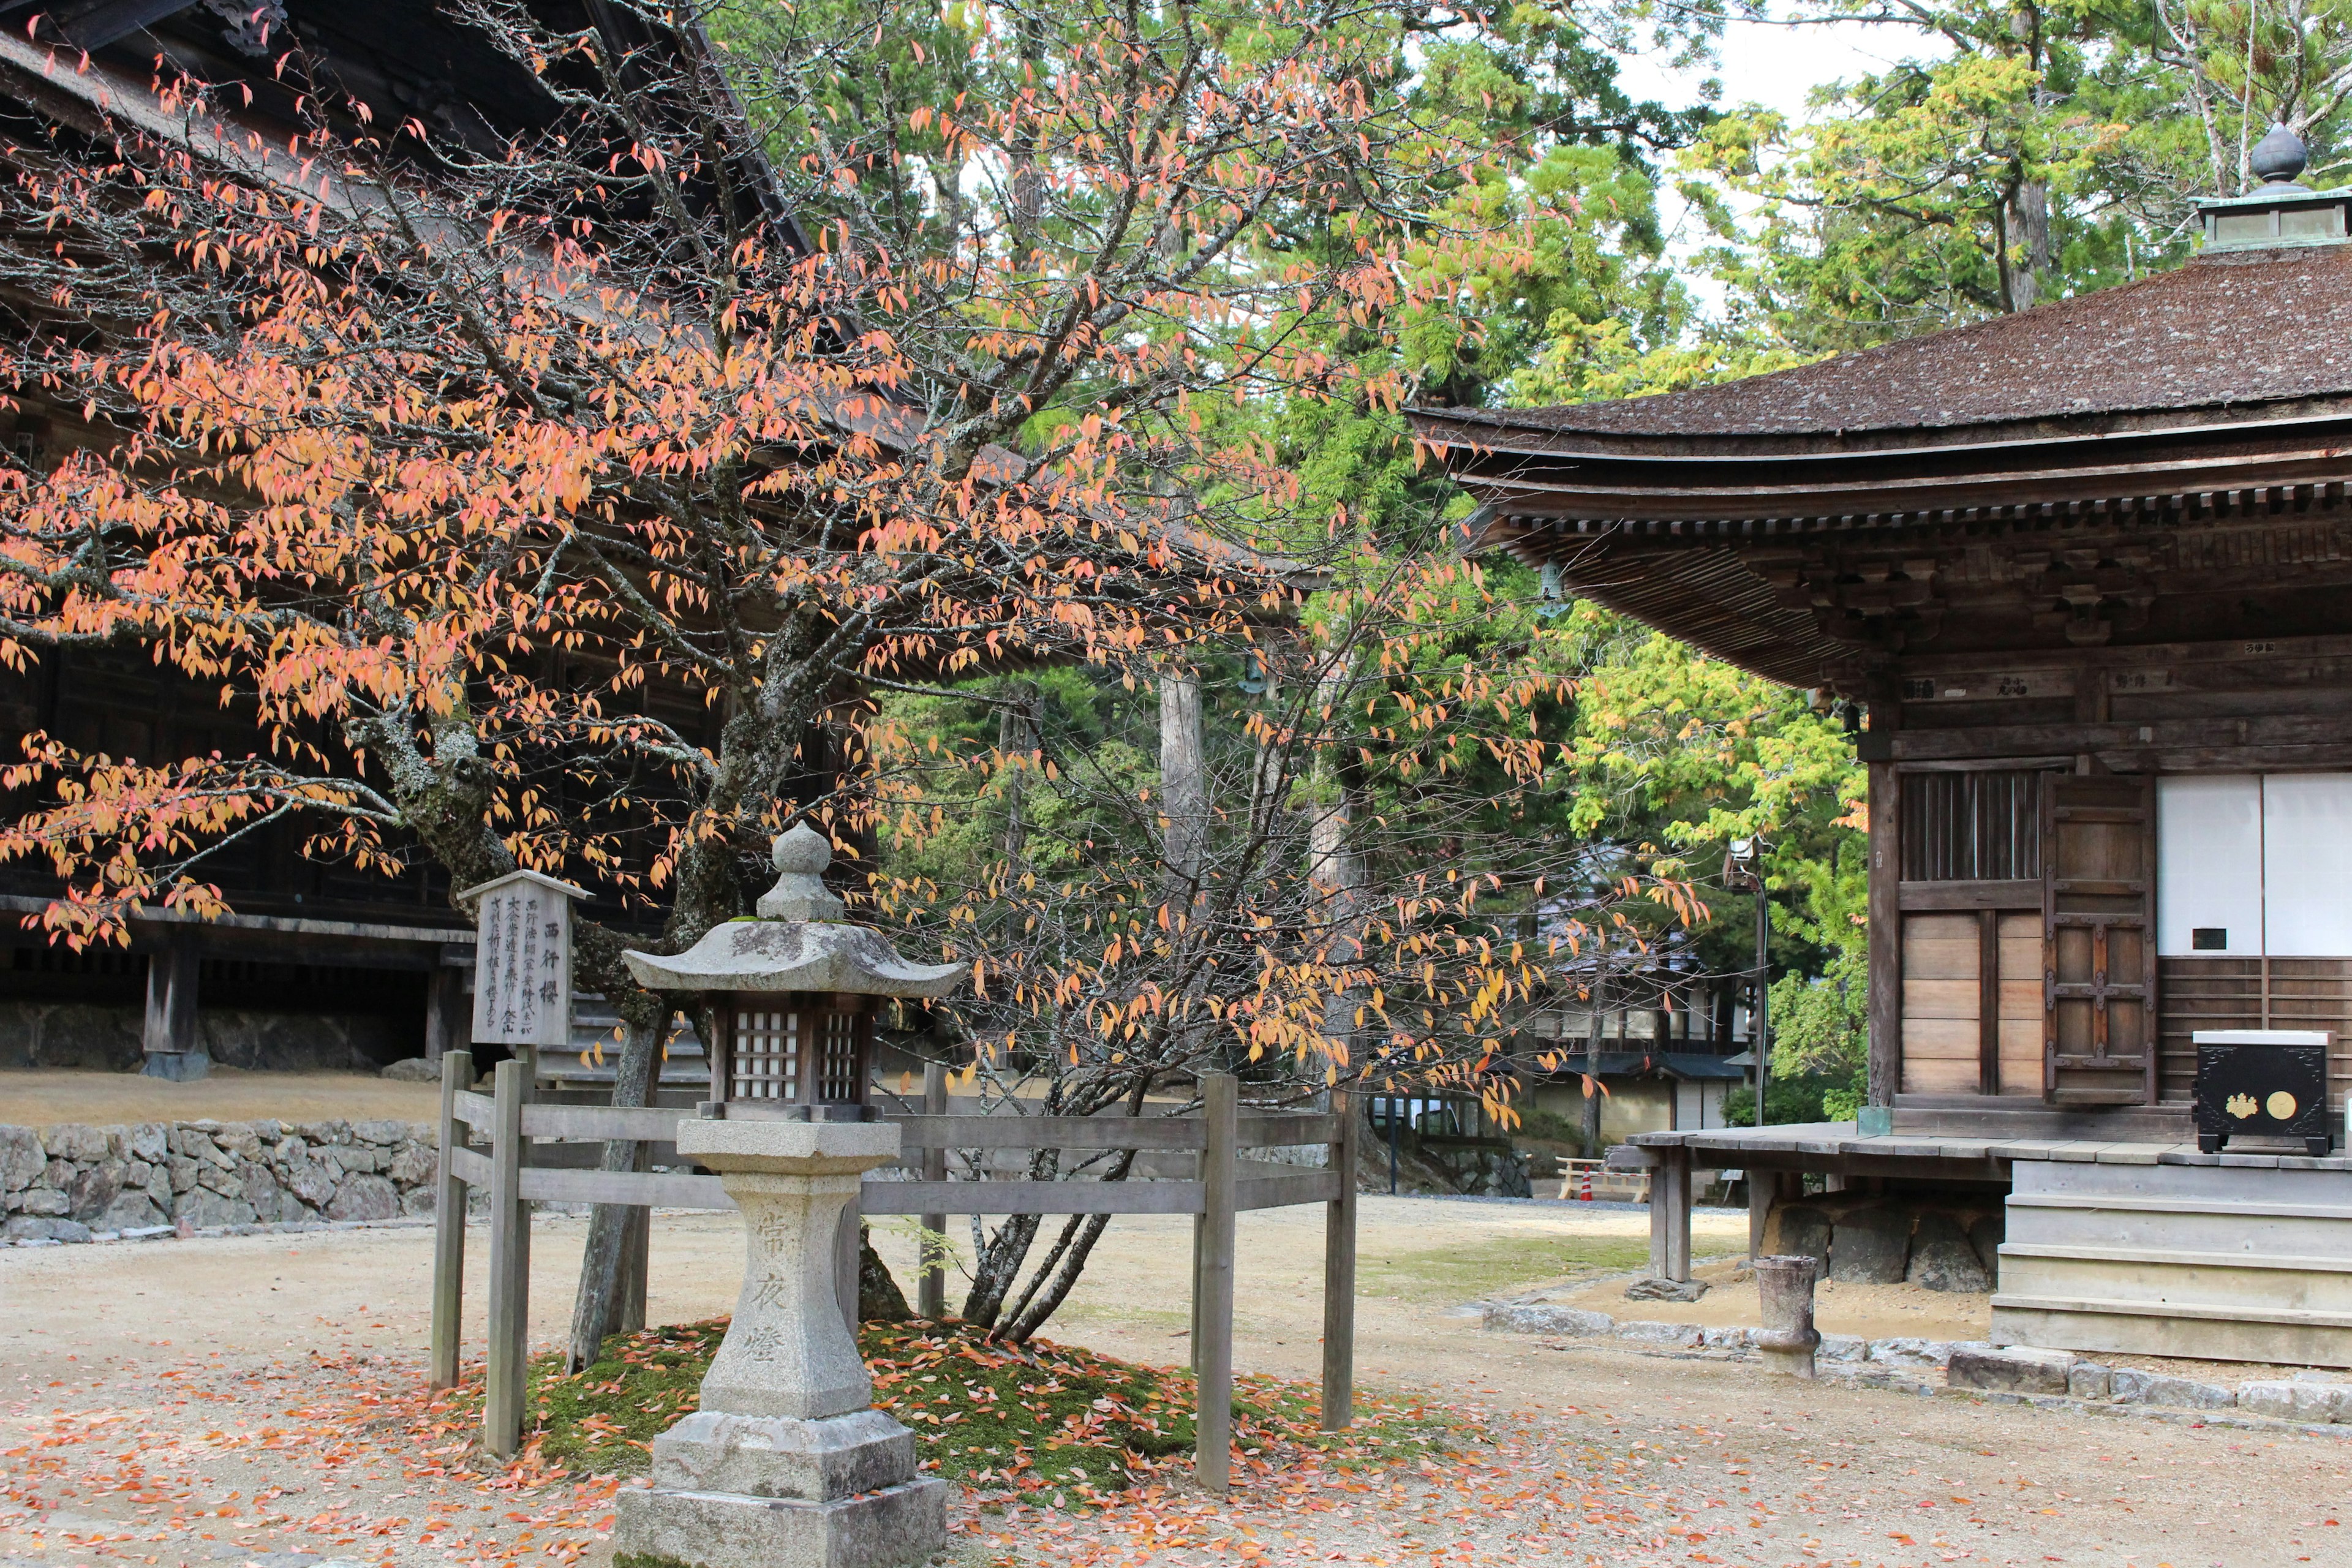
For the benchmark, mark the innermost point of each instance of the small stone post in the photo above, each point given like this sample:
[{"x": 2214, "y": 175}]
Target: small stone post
[
  {"x": 786, "y": 1465},
  {"x": 1785, "y": 1287}
]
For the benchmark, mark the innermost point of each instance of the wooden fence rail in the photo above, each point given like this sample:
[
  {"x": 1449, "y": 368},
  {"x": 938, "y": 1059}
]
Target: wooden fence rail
[{"x": 1227, "y": 1185}]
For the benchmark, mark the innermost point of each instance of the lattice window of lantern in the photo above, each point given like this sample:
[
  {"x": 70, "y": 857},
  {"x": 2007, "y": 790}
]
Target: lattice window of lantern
[
  {"x": 837, "y": 1078},
  {"x": 766, "y": 1061}
]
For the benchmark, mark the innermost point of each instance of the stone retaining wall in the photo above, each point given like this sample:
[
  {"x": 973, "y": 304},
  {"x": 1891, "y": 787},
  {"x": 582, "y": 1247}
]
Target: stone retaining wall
[{"x": 64, "y": 1182}]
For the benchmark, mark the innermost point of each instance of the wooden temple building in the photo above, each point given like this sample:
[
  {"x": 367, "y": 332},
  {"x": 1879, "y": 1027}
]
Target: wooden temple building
[
  {"x": 2087, "y": 572},
  {"x": 320, "y": 965}
]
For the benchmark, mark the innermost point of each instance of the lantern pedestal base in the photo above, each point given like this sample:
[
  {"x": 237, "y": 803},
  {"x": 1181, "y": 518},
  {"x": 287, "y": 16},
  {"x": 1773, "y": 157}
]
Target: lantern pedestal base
[
  {"x": 770, "y": 1457},
  {"x": 787, "y": 1465},
  {"x": 896, "y": 1527}
]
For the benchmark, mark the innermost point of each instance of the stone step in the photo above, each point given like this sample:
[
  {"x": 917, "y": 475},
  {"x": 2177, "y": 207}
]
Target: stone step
[
  {"x": 2200, "y": 1224},
  {"x": 2220, "y": 1281},
  {"x": 2222, "y": 1331}
]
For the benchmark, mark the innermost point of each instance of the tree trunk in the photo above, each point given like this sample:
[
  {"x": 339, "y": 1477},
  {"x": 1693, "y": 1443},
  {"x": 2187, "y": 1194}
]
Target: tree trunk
[
  {"x": 1333, "y": 870},
  {"x": 1591, "y": 1128},
  {"x": 2026, "y": 259},
  {"x": 600, "y": 1308},
  {"x": 1019, "y": 743},
  {"x": 1183, "y": 786},
  {"x": 880, "y": 1299}
]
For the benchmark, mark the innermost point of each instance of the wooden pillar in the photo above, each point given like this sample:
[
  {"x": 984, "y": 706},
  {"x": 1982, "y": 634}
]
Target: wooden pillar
[
  {"x": 449, "y": 1012},
  {"x": 502, "y": 1403},
  {"x": 1670, "y": 1215},
  {"x": 168, "y": 1036},
  {"x": 1987, "y": 1001},
  {"x": 449, "y": 1225},
  {"x": 1339, "y": 1271},
  {"x": 1763, "y": 1188},
  {"x": 1885, "y": 934},
  {"x": 1212, "y": 1287}
]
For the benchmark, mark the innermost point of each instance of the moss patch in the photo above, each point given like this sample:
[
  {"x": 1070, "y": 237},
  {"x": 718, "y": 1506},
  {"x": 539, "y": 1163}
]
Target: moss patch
[{"x": 1053, "y": 1421}]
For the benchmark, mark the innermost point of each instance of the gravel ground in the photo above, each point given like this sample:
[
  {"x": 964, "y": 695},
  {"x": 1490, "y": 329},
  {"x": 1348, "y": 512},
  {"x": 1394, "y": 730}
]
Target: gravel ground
[{"x": 256, "y": 1400}]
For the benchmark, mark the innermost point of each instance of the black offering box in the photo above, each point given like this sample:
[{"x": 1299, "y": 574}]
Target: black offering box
[{"x": 2267, "y": 1083}]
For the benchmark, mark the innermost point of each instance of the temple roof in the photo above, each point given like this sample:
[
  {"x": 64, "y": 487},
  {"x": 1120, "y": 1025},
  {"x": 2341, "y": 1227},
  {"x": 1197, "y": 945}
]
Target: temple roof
[
  {"x": 2156, "y": 464},
  {"x": 2230, "y": 328}
]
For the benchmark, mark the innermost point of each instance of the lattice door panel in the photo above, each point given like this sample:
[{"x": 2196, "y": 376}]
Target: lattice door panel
[
  {"x": 766, "y": 1061},
  {"x": 2098, "y": 942}
]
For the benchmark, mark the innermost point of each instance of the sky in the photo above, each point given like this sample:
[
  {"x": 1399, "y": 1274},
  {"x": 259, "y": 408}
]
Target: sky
[{"x": 1769, "y": 64}]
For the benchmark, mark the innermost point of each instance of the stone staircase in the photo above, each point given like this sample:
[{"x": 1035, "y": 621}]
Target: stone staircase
[
  {"x": 2218, "y": 1262},
  {"x": 595, "y": 1024}
]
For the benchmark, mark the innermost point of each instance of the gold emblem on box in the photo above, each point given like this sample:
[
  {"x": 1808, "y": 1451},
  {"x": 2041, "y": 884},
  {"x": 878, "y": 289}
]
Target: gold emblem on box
[{"x": 2239, "y": 1106}]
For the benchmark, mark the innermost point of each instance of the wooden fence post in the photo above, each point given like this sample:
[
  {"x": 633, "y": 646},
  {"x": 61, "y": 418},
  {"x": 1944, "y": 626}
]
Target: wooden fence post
[
  {"x": 1339, "y": 1273},
  {"x": 1212, "y": 1289},
  {"x": 502, "y": 1403},
  {"x": 1192, "y": 1328},
  {"x": 449, "y": 1224},
  {"x": 931, "y": 1277}
]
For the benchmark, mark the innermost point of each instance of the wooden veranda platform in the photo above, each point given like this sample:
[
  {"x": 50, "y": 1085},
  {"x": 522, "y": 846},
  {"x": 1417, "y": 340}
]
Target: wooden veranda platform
[{"x": 2145, "y": 1247}]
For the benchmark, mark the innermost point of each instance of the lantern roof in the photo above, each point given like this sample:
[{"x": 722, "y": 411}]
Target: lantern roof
[{"x": 801, "y": 940}]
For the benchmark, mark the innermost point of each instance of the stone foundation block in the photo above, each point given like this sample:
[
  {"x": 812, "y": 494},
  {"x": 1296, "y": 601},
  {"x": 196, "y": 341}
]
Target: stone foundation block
[
  {"x": 2282, "y": 1400},
  {"x": 1537, "y": 1317},
  {"x": 2089, "y": 1380},
  {"x": 772, "y": 1456},
  {"x": 898, "y": 1527},
  {"x": 1650, "y": 1331},
  {"x": 2133, "y": 1387},
  {"x": 2010, "y": 1369}
]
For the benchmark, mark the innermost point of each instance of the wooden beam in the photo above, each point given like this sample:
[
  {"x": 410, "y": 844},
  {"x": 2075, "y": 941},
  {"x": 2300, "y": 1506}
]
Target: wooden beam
[
  {"x": 1061, "y": 1132},
  {"x": 1884, "y": 1006},
  {"x": 2160, "y": 734},
  {"x": 1027, "y": 1197},
  {"x": 1932, "y": 897},
  {"x": 661, "y": 1189}
]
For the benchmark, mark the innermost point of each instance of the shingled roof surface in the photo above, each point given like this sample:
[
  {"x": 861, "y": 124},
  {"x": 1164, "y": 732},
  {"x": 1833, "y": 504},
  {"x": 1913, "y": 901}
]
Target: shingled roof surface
[{"x": 2245, "y": 327}]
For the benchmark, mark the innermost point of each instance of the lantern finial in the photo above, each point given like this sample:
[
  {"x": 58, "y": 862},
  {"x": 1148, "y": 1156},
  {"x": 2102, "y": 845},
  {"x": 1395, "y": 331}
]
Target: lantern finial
[{"x": 801, "y": 856}]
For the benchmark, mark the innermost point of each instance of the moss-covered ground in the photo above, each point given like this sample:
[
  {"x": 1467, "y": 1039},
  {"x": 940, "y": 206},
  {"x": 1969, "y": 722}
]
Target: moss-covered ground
[
  {"x": 1505, "y": 1263},
  {"x": 1053, "y": 1421}
]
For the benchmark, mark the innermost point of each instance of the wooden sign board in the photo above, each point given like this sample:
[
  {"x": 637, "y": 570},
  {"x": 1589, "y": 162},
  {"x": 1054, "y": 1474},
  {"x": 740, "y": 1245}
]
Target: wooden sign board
[{"x": 523, "y": 959}]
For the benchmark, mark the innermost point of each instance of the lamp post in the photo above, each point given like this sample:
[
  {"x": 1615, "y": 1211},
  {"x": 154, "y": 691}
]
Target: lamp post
[
  {"x": 1743, "y": 866},
  {"x": 787, "y": 1463}
]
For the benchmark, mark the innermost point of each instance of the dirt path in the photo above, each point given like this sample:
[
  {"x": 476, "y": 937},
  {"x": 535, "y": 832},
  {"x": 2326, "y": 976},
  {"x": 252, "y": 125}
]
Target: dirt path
[
  {"x": 251, "y": 1400},
  {"x": 45, "y": 1098}
]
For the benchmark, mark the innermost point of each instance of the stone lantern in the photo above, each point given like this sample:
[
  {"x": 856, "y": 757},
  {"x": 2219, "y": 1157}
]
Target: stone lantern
[
  {"x": 793, "y": 989},
  {"x": 787, "y": 1464}
]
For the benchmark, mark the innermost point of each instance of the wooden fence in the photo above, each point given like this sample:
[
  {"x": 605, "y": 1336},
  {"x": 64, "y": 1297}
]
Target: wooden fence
[{"x": 1226, "y": 1185}]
